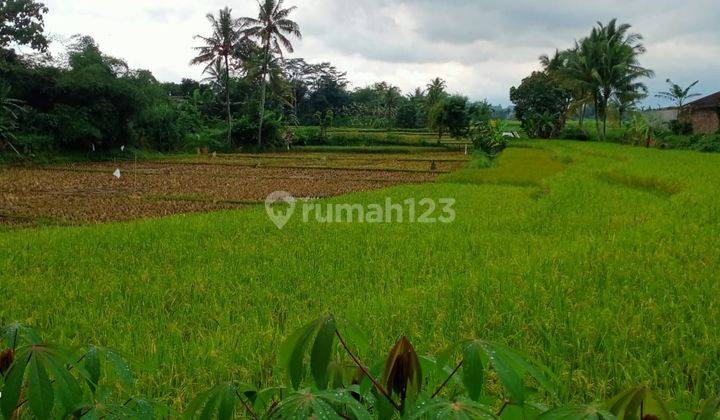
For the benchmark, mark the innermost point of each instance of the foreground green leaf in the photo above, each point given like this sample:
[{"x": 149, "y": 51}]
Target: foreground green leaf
[
  {"x": 321, "y": 352},
  {"x": 40, "y": 390}
]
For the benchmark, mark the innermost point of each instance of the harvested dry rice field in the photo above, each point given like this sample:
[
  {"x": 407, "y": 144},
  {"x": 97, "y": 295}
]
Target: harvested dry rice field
[{"x": 90, "y": 193}]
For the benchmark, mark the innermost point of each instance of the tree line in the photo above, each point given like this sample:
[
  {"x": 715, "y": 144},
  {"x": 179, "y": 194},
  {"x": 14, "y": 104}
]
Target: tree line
[
  {"x": 599, "y": 73},
  {"x": 85, "y": 100}
]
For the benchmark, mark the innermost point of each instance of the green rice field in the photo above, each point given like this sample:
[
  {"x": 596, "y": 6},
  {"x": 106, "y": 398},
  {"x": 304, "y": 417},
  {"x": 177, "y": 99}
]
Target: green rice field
[{"x": 598, "y": 260}]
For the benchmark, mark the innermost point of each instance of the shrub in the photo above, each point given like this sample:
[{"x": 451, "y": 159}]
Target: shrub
[
  {"x": 488, "y": 137},
  {"x": 159, "y": 127},
  {"x": 31, "y": 143},
  {"x": 473, "y": 378},
  {"x": 708, "y": 143},
  {"x": 677, "y": 142},
  {"x": 575, "y": 133},
  {"x": 309, "y": 136},
  {"x": 638, "y": 132},
  {"x": 48, "y": 381},
  {"x": 680, "y": 128},
  {"x": 212, "y": 138},
  {"x": 244, "y": 131}
]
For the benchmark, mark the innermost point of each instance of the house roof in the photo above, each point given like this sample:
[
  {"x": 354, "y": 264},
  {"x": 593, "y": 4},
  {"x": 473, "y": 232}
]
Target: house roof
[{"x": 712, "y": 101}]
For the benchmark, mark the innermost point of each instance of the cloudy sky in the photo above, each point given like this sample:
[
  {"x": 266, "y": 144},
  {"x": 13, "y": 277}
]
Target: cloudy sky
[{"x": 481, "y": 47}]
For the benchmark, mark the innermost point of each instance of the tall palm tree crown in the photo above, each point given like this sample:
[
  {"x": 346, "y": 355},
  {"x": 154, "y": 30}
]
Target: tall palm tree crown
[
  {"x": 601, "y": 67},
  {"x": 435, "y": 91},
  {"x": 217, "y": 49},
  {"x": 272, "y": 29}
]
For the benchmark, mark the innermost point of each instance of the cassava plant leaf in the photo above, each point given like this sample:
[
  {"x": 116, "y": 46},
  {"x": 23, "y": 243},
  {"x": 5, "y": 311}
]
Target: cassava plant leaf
[
  {"x": 461, "y": 409},
  {"x": 353, "y": 334},
  {"x": 216, "y": 403},
  {"x": 92, "y": 366},
  {"x": 16, "y": 335},
  {"x": 577, "y": 412},
  {"x": 636, "y": 403},
  {"x": 120, "y": 367},
  {"x": 709, "y": 410},
  {"x": 292, "y": 353},
  {"x": 335, "y": 404},
  {"x": 473, "y": 374},
  {"x": 66, "y": 386},
  {"x": 540, "y": 373},
  {"x": 40, "y": 389},
  {"x": 12, "y": 388},
  {"x": 321, "y": 352}
]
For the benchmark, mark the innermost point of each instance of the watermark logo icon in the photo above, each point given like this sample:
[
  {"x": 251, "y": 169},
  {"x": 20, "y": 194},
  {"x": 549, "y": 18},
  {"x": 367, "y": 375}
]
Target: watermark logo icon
[{"x": 280, "y": 207}]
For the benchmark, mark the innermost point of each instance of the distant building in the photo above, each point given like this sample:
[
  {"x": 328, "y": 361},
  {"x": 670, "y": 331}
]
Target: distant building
[{"x": 704, "y": 114}]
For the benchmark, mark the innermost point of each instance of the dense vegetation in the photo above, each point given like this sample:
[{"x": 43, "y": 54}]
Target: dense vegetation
[{"x": 88, "y": 101}]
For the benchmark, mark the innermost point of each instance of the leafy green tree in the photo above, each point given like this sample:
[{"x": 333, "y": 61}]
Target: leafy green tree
[
  {"x": 480, "y": 111},
  {"x": 315, "y": 87},
  {"x": 541, "y": 105},
  {"x": 450, "y": 114},
  {"x": 271, "y": 29},
  {"x": 22, "y": 23},
  {"x": 95, "y": 100},
  {"x": 456, "y": 115},
  {"x": 407, "y": 114},
  {"x": 679, "y": 95},
  {"x": 217, "y": 50},
  {"x": 390, "y": 100},
  {"x": 418, "y": 99},
  {"x": 376, "y": 106}
]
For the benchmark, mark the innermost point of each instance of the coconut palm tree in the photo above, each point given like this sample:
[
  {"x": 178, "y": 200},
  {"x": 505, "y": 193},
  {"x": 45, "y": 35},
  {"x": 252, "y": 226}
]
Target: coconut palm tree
[
  {"x": 604, "y": 66},
  {"x": 679, "y": 95},
  {"x": 627, "y": 97},
  {"x": 616, "y": 63},
  {"x": 216, "y": 76},
  {"x": 577, "y": 73},
  {"x": 217, "y": 50},
  {"x": 435, "y": 91},
  {"x": 271, "y": 29},
  {"x": 570, "y": 70}
]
